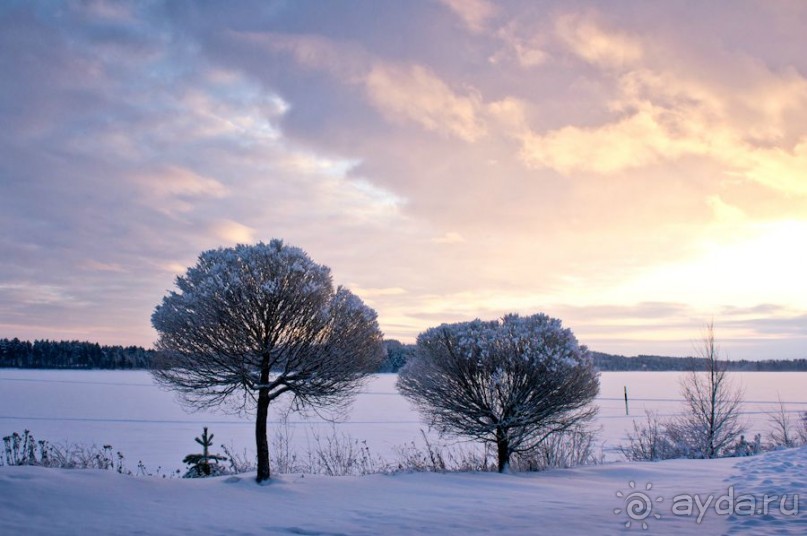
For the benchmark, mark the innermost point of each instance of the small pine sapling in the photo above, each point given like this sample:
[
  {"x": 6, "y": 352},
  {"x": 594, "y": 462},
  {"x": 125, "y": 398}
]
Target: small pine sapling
[{"x": 204, "y": 464}]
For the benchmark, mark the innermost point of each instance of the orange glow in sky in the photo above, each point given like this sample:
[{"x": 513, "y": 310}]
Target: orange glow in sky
[{"x": 635, "y": 169}]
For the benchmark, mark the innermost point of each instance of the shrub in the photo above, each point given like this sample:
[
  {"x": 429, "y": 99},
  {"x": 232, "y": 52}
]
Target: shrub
[
  {"x": 561, "y": 450},
  {"x": 650, "y": 441},
  {"x": 23, "y": 449},
  {"x": 441, "y": 457}
]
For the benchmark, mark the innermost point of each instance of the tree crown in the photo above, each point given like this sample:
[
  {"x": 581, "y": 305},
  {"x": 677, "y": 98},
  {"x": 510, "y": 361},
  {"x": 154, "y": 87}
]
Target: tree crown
[
  {"x": 512, "y": 381},
  {"x": 244, "y": 312},
  {"x": 534, "y": 341}
]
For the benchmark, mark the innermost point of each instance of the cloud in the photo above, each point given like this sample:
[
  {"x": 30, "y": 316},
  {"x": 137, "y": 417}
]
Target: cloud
[
  {"x": 105, "y": 10},
  {"x": 232, "y": 232},
  {"x": 97, "y": 266},
  {"x": 454, "y": 161},
  {"x": 782, "y": 324},
  {"x": 370, "y": 293},
  {"x": 171, "y": 188},
  {"x": 587, "y": 38},
  {"x": 402, "y": 92},
  {"x": 30, "y": 293},
  {"x": 344, "y": 60},
  {"x": 413, "y": 93},
  {"x": 308, "y": 163},
  {"x": 175, "y": 268},
  {"x": 774, "y": 167},
  {"x": 215, "y": 115},
  {"x": 174, "y": 181},
  {"x": 474, "y": 13},
  {"x": 638, "y": 140},
  {"x": 449, "y": 238},
  {"x": 527, "y": 52},
  {"x": 661, "y": 114},
  {"x": 725, "y": 213},
  {"x": 510, "y": 114}
]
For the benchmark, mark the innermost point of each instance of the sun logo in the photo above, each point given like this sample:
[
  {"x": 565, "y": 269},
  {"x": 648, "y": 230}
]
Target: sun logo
[{"x": 638, "y": 505}]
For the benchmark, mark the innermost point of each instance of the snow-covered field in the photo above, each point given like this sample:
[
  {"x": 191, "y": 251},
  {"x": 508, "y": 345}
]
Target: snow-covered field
[
  {"x": 126, "y": 410},
  {"x": 732, "y": 494}
]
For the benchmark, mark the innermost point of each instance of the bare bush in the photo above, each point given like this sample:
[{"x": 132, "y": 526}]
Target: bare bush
[
  {"x": 334, "y": 454},
  {"x": 784, "y": 432},
  {"x": 239, "y": 462},
  {"x": 650, "y": 441},
  {"x": 24, "y": 449},
  {"x": 284, "y": 457},
  {"x": 441, "y": 457},
  {"x": 339, "y": 454},
  {"x": 562, "y": 450}
]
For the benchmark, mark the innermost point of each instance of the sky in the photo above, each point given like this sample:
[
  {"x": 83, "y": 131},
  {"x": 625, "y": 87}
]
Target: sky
[{"x": 636, "y": 169}]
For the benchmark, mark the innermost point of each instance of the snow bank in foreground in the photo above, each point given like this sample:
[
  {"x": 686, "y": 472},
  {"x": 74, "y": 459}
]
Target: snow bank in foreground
[{"x": 590, "y": 500}]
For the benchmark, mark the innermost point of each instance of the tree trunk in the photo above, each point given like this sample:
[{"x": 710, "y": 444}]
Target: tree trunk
[
  {"x": 261, "y": 438},
  {"x": 503, "y": 450}
]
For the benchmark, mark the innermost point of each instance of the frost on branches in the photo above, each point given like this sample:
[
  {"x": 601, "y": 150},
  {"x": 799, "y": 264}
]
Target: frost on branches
[
  {"x": 251, "y": 323},
  {"x": 511, "y": 382}
]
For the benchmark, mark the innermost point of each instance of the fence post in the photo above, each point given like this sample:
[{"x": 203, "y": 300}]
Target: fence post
[{"x": 626, "y": 401}]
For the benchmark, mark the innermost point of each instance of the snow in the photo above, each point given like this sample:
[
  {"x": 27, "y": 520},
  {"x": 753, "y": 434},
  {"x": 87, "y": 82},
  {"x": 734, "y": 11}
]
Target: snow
[
  {"x": 39, "y": 501},
  {"x": 127, "y": 410}
]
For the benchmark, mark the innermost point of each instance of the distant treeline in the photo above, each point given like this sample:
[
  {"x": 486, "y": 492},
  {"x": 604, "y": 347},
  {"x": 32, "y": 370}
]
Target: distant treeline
[
  {"x": 397, "y": 354},
  {"x": 48, "y": 354},
  {"x": 71, "y": 355},
  {"x": 90, "y": 355},
  {"x": 608, "y": 362}
]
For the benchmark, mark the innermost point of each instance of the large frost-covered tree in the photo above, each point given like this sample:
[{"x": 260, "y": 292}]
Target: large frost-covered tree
[
  {"x": 251, "y": 323},
  {"x": 511, "y": 382}
]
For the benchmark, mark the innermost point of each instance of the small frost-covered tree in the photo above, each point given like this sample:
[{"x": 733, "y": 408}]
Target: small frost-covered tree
[
  {"x": 711, "y": 424},
  {"x": 511, "y": 382},
  {"x": 251, "y": 323},
  {"x": 204, "y": 464}
]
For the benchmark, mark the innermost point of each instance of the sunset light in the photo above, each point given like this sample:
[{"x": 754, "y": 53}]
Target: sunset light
[{"x": 635, "y": 169}]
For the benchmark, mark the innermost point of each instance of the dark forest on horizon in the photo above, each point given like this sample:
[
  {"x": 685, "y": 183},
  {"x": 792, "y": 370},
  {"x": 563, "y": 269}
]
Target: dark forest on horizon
[{"x": 48, "y": 354}]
